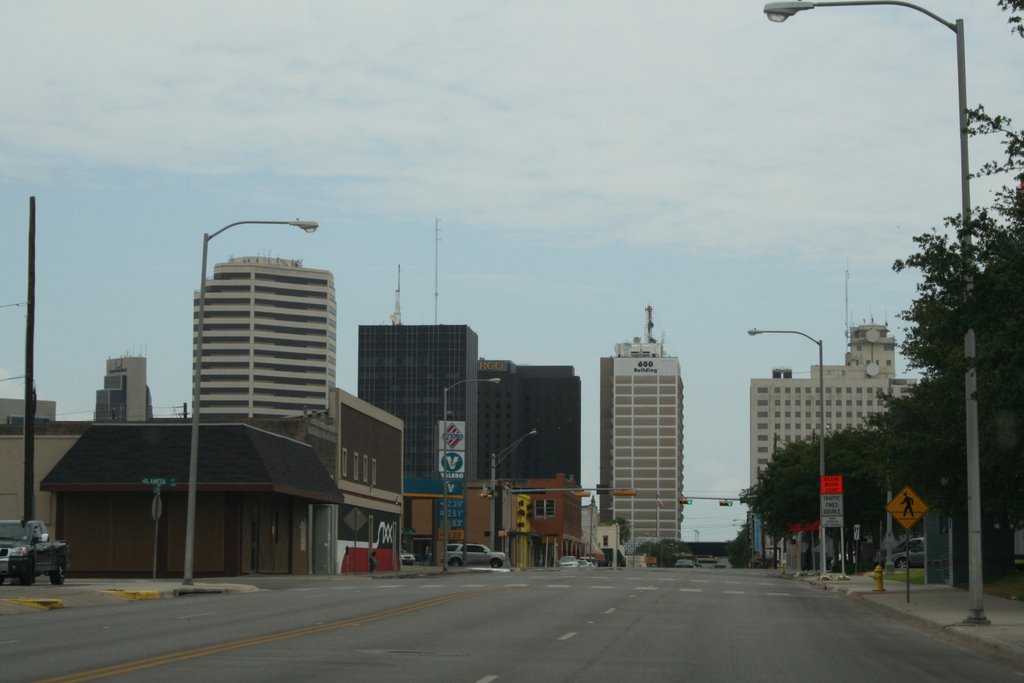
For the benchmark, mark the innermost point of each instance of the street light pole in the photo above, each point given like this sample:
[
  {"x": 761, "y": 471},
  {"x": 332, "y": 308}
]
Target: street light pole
[
  {"x": 497, "y": 460},
  {"x": 779, "y": 12},
  {"x": 821, "y": 421},
  {"x": 197, "y": 376},
  {"x": 444, "y": 483}
]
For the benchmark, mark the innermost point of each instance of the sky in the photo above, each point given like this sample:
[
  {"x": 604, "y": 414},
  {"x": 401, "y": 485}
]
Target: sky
[{"x": 578, "y": 161}]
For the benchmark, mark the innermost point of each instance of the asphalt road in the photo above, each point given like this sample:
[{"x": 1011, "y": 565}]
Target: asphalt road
[{"x": 479, "y": 627}]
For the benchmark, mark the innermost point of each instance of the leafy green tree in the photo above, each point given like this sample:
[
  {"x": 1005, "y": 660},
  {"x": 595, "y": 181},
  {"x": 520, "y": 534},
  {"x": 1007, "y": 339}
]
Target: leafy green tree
[
  {"x": 738, "y": 550},
  {"x": 924, "y": 432}
]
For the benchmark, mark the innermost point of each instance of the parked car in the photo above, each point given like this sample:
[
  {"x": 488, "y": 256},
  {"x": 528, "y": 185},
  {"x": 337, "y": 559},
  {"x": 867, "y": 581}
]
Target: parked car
[
  {"x": 685, "y": 564},
  {"x": 568, "y": 561},
  {"x": 899, "y": 553},
  {"x": 476, "y": 553},
  {"x": 408, "y": 558},
  {"x": 899, "y": 557},
  {"x": 26, "y": 551}
]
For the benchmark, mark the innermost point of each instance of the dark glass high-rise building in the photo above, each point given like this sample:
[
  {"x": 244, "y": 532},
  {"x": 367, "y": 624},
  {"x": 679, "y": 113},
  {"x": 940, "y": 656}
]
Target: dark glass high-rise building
[
  {"x": 541, "y": 397},
  {"x": 404, "y": 369}
]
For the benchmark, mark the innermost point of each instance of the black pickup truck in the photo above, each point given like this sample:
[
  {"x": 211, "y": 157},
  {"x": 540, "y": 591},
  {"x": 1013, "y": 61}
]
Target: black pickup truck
[{"x": 26, "y": 551}]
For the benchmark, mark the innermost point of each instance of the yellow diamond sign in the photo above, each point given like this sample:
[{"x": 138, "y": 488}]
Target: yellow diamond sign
[{"x": 907, "y": 508}]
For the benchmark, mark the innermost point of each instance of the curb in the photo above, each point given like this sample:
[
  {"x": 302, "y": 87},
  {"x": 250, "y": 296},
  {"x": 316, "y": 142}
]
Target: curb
[
  {"x": 133, "y": 595},
  {"x": 39, "y": 603}
]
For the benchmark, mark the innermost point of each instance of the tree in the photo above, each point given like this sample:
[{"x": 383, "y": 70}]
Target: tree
[
  {"x": 924, "y": 432},
  {"x": 738, "y": 550}
]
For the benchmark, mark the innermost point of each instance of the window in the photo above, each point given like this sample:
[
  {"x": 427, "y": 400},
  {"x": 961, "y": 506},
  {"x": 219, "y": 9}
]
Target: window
[
  {"x": 355, "y": 465},
  {"x": 543, "y": 508},
  {"x": 366, "y": 467},
  {"x": 344, "y": 462},
  {"x": 373, "y": 471}
]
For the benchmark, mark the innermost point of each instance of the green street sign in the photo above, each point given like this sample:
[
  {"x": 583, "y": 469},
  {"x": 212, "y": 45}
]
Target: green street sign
[{"x": 160, "y": 481}]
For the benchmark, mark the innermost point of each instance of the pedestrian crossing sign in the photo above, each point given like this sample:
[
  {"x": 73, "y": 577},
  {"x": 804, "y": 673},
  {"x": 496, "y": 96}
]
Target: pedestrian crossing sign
[{"x": 907, "y": 508}]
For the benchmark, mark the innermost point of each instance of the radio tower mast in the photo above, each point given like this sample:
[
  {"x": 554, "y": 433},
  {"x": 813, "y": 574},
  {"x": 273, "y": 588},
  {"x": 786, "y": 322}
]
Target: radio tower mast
[{"x": 396, "y": 317}]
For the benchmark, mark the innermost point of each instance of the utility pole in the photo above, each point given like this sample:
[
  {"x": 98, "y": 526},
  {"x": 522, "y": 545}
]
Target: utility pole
[{"x": 30, "y": 384}]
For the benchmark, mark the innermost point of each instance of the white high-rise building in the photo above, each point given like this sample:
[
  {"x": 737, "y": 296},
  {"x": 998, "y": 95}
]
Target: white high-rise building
[
  {"x": 269, "y": 338},
  {"x": 642, "y": 438},
  {"x": 784, "y": 409}
]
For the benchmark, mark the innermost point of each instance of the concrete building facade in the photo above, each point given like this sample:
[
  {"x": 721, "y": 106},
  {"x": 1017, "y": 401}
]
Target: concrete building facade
[
  {"x": 269, "y": 338},
  {"x": 787, "y": 409},
  {"x": 641, "y": 439},
  {"x": 125, "y": 394}
]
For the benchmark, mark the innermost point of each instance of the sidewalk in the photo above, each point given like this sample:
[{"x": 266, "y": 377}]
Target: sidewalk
[{"x": 939, "y": 608}]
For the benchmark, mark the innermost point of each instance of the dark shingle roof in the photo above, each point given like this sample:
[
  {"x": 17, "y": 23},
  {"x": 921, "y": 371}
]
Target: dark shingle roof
[{"x": 231, "y": 457}]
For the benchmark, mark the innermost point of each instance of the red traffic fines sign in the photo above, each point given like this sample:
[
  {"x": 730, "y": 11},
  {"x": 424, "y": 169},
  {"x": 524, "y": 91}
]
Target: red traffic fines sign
[
  {"x": 831, "y": 484},
  {"x": 907, "y": 508}
]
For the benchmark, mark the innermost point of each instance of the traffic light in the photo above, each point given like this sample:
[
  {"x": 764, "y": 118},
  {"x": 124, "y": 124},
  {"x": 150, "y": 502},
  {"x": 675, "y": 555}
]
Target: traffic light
[
  {"x": 725, "y": 503},
  {"x": 686, "y": 501},
  {"x": 523, "y": 513}
]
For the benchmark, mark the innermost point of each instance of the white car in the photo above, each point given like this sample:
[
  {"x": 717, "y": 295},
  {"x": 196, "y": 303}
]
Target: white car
[
  {"x": 408, "y": 558},
  {"x": 568, "y": 561},
  {"x": 476, "y": 553}
]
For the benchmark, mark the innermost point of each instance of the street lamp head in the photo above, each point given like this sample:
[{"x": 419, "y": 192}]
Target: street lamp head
[
  {"x": 494, "y": 380},
  {"x": 780, "y": 11},
  {"x": 754, "y": 332},
  {"x": 308, "y": 226},
  {"x": 532, "y": 432}
]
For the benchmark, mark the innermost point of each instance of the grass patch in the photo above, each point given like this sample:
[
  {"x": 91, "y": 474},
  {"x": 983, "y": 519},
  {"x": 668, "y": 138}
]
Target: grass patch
[
  {"x": 1011, "y": 586},
  {"x": 900, "y": 576}
]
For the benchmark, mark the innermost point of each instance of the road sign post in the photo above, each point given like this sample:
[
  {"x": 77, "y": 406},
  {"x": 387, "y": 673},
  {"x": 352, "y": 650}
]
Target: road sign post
[
  {"x": 907, "y": 509},
  {"x": 156, "y": 508}
]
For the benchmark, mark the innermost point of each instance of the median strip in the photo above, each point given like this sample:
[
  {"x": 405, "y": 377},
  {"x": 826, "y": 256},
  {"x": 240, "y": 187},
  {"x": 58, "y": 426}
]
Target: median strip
[
  {"x": 133, "y": 595},
  {"x": 39, "y": 603}
]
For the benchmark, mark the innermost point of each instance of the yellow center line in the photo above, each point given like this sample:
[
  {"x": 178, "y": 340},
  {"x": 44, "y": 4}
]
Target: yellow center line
[{"x": 184, "y": 655}]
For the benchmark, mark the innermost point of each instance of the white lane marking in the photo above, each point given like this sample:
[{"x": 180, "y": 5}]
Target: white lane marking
[
  {"x": 487, "y": 679},
  {"x": 691, "y": 590},
  {"x": 634, "y": 595},
  {"x": 518, "y": 585},
  {"x": 190, "y": 616},
  {"x": 702, "y": 581},
  {"x": 344, "y": 588},
  {"x": 785, "y": 595},
  {"x": 634, "y": 578},
  {"x": 734, "y": 583},
  {"x": 558, "y": 585},
  {"x": 430, "y": 585},
  {"x": 473, "y": 585},
  {"x": 764, "y": 584},
  {"x": 602, "y": 587},
  {"x": 607, "y": 611},
  {"x": 299, "y": 590},
  {"x": 735, "y": 592},
  {"x": 647, "y": 588},
  {"x": 390, "y": 585},
  {"x": 666, "y": 579},
  {"x": 568, "y": 635}
]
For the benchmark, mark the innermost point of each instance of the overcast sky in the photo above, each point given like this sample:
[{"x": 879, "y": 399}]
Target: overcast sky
[{"x": 585, "y": 159}]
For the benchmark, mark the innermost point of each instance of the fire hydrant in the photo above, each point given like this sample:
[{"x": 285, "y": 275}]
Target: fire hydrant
[{"x": 879, "y": 581}]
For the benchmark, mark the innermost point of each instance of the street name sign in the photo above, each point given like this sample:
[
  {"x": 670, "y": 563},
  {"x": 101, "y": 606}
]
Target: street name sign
[
  {"x": 907, "y": 508},
  {"x": 160, "y": 481}
]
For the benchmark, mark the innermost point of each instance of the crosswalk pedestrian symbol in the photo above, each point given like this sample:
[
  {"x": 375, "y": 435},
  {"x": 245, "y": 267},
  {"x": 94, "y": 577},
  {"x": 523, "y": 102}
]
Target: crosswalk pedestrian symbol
[{"x": 907, "y": 508}]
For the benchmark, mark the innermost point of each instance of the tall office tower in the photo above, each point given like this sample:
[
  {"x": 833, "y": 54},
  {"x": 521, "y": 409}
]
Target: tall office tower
[
  {"x": 641, "y": 438},
  {"x": 541, "y": 397},
  {"x": 404, "y": 370},
  {"x": 125, "y": 395},
  {"x": 269, "y": 339},
  {"x": 784, "y": 409}
]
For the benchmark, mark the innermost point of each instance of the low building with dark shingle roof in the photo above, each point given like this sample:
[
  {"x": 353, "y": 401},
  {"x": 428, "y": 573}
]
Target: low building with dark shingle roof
[{"x": 256, "y": 496}]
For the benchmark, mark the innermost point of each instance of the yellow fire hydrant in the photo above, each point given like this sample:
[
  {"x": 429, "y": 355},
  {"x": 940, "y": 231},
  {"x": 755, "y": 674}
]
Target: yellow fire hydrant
[{"x": 879, "y": 581}]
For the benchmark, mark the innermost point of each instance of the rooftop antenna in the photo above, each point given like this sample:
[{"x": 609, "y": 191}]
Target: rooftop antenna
[
  {"x": 437, "y": 241},
  {"x": 650, "y": 324},
  {"x": 396, "y": 317},
  {"x": 846, "y": 303}
]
